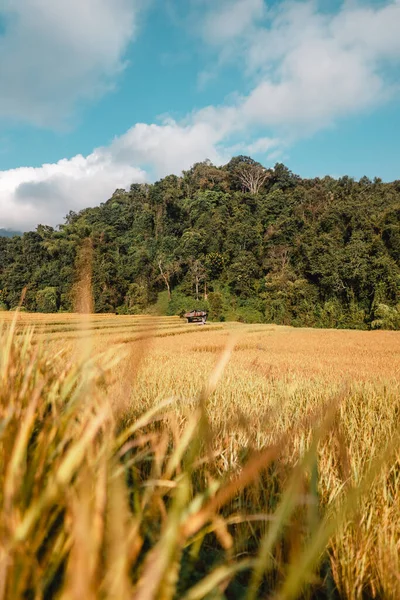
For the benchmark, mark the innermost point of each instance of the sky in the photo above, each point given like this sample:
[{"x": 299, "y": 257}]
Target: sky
[{"x": 99, "y": 94}]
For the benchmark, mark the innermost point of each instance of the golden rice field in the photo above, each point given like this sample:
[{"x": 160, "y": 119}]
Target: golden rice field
[{"x": 145, "y": 458}]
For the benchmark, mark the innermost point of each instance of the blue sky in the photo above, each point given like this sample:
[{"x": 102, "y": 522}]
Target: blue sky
[{"x": 100, "y": 94}]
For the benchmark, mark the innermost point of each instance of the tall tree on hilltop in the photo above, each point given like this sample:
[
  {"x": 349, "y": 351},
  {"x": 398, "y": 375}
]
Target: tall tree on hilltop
[
  {"x": 253, "y": 177},
  {"x": 248, "y": 174}
]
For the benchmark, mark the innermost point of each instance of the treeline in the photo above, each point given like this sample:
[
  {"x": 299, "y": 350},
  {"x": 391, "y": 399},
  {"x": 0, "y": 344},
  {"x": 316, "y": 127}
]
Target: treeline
[{"x": 244, "y": 242}]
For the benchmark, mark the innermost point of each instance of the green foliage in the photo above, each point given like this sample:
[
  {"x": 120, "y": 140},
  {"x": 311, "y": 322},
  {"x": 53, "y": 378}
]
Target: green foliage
[
  {"x": 386, "y": 317},
  {"x": 302, "y": 252},
  {"x": 216, "y": 305},
  {"x": 215, "y": 263},
  {"x": 46, "y": 300},
  {"x": 289, "y": 300},
  {"x": 248, "y": 314},
  {"x": 3, "y": 305},
  {"x": 179, "y": 304},
  {"x": 137, "y": 297},
  {"x": 161, "y": 306}
]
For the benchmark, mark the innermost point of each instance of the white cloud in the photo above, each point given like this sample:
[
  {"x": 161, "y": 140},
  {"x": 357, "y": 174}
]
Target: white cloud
[
  {"x": 373, "y": 32},
  {"x": 29, "y": 196},
  {"x": 311, "y": 68},
  {"x": 57, "y": 52},
  {"x": 170, "y": 147},
  {"x": 319, "y": 83},
  {"x": 262, "y": 145},
  {"x": 224, "y": 25},
  {"x": 229, "y": 19}
]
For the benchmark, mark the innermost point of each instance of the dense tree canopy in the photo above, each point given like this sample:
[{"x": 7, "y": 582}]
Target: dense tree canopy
[{"x": 243, "y": 241}]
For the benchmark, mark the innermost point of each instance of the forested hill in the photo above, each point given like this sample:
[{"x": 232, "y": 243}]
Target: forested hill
[{"x": 253, "y": 244}]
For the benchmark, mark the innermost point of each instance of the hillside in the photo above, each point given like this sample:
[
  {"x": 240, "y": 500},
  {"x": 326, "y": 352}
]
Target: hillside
[
  {"x": 253, "y": 244},
  {"x": 9, "y": 233}
]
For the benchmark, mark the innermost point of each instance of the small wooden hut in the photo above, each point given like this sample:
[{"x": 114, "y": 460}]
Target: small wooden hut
[{"x": 196, "y": 316}]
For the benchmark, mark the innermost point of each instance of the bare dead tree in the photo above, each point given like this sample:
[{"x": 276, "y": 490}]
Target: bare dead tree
[
  {"x": 198, "y": 273},
  {"x": 252, "y": 177},
  {"x": 165, "y": 276},
  {"x": 167, "y": 268},
  {"x": 279, "y": 257}
]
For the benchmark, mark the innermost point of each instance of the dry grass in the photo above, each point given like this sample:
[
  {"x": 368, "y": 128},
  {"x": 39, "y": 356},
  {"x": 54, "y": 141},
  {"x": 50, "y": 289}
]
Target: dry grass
[{"x": 142, "y": 458}]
